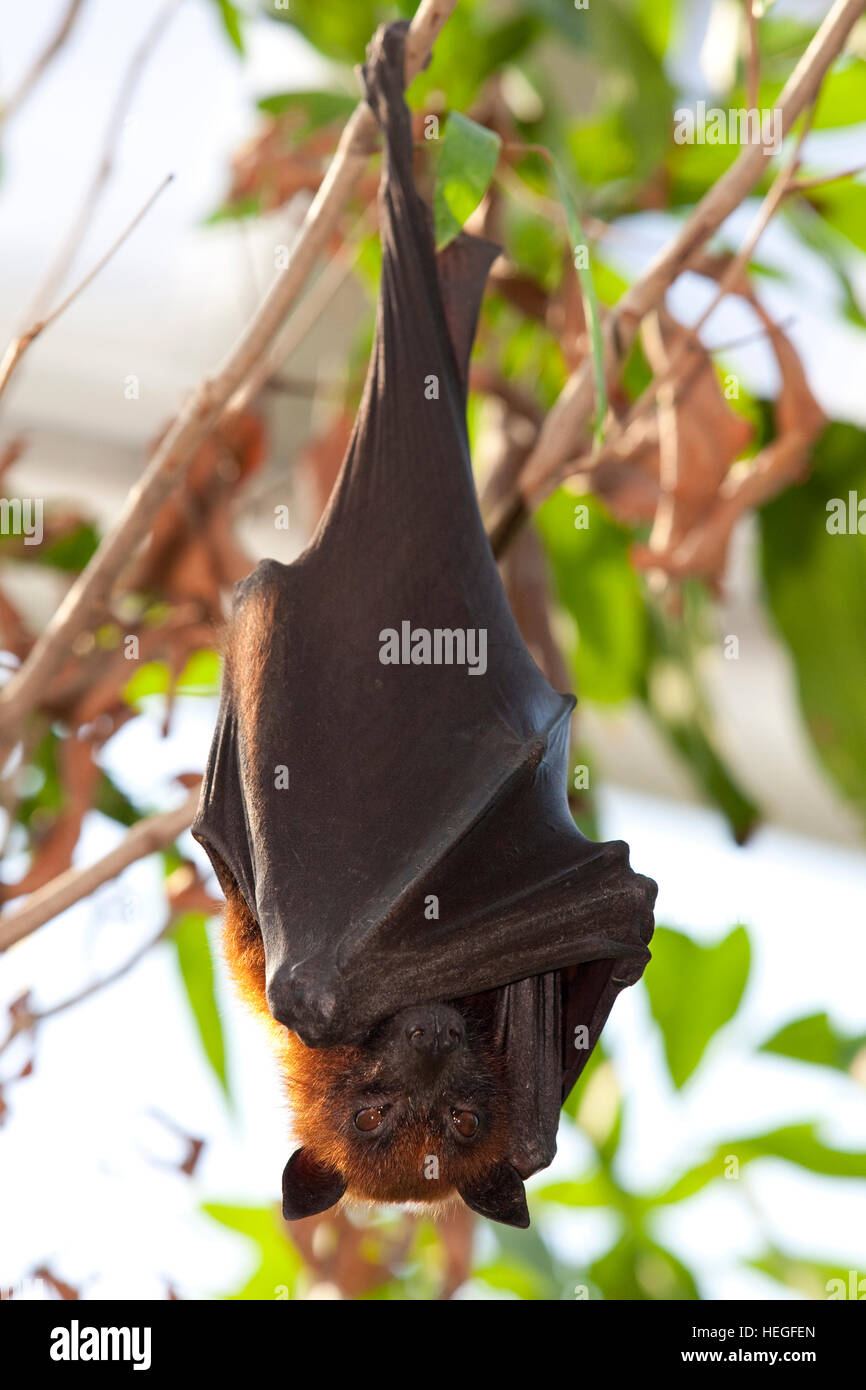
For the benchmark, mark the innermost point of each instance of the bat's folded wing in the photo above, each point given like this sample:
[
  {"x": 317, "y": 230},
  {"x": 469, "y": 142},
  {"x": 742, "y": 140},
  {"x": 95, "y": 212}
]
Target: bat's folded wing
[{"x": 397, "y": 820}]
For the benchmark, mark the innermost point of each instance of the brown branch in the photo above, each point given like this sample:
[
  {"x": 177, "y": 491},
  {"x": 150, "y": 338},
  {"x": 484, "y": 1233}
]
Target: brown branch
[
  {"x": 305, "y": 318},
  {"x": 42, "y": 62},
  {"x": 668, "y": 444},
  {"x": 148, "y": 836},
  {"x": 567, "y": 422},
  {"x": 18, "y": 346},
  {"x": 93, "y": 587}
]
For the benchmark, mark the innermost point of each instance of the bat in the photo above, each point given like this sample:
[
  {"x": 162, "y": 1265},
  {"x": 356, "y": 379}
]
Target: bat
[{"x": 410, "y": 906}]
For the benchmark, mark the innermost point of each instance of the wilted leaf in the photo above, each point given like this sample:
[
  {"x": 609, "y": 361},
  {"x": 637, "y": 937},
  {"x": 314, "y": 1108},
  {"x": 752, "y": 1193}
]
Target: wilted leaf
[{"x": 590, "y": 300}]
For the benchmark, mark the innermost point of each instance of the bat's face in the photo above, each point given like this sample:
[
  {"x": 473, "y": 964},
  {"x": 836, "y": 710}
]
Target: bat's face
[{"x": 418, "y": 1112}]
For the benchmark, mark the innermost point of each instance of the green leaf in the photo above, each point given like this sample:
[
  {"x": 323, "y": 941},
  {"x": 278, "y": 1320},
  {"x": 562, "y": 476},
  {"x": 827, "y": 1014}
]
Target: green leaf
[
  {"x": 232, "y": 24},
  {"x": 467, "y": 160},
  {"x": 796, "y": 1144},
  {"x": 472, "y": 46},
  {"x": 694, "y": 991},
  {"x": 842, "y": 101},
  {"x": 190, "y": 939},
  {"x": 807, "y": 571},
  {"x": 250, "y": 206},
  {"x": 337, "y": 31},
  {"x": 629, "y": 69},
  {"x": 317, "y": 108},
  {"x": 200, "y": 676},
  {"x": 842, "y": 205},
  {"x": 514, "y": 1276},
  {"x": 814, "y": 1039},
  {"x": 527, "y": 1260},
  {"x": 280, "y": 1265},
  {"x": 636, "y": 1268},
  {"x": 674, "y": 697},
  {"x": 596, "y": 1191},
  {"x": 656, "y": 19},
  {"x": 596, "y": 584},
  {"x": 111, "y": 801},
  {"x": 817, "y": 1281},
  {"x": 72, "y": 552},
  {"x": 833, "y": 249}
]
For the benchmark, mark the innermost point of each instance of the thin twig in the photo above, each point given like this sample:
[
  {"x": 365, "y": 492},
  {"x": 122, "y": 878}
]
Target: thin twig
[
  {"x": 305, "y": 317},
  {"x": 42, "y": 62},
  {"x": 17, "y": 348},
  {"x": 114, "y": 128},
  {"x": 26, "y": 1020},
  {"x": 753, "y": 57},
  {"x": 146, "y": 837},
  {"x": 803, "y": 185},
  {"x": 203, "y": 408}
]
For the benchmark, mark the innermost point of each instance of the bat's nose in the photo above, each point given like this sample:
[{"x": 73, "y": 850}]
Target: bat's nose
[{"x": 435, "y": 1030}]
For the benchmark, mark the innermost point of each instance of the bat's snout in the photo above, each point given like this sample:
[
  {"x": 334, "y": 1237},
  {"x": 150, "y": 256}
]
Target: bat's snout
[{"x": 433, "y": 1031}]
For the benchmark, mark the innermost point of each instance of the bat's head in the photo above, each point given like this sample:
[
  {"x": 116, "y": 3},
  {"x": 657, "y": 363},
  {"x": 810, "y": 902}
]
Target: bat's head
[{"x": 418, "y": 1112}]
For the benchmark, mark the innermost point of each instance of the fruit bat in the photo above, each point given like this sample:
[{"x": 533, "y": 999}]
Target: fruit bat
[{"x": 435, "y": 945}]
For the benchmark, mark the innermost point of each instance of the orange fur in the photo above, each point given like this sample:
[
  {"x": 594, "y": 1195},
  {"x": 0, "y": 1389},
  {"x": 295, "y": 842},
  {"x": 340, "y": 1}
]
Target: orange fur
[{"x": 394, "y": 1174}]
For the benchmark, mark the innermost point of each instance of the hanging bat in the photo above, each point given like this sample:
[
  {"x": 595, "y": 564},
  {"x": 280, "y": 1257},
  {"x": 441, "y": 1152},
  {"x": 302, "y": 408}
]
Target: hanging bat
[{"x": 434, "y": 944}]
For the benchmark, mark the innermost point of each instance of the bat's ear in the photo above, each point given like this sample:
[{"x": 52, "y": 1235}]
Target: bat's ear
[
  {"x": 498, "y": 1194},
  {"x": 309, "y": 1187}
]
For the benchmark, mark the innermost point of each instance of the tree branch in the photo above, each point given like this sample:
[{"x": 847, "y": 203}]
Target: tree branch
[
  {"x": 203, "y": 408},
  {"x": 26, "y": 1021},
  {"x": 149, "y": 835},
  {"x": 42, "y": 62},
  {"x": 17, "y": 348},
  {"x": 125, "y": 93}
]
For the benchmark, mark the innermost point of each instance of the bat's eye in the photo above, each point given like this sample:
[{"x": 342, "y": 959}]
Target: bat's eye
[
  {"x": 465, "y": 1122},
  {"x": 370, "y": 1118}
]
